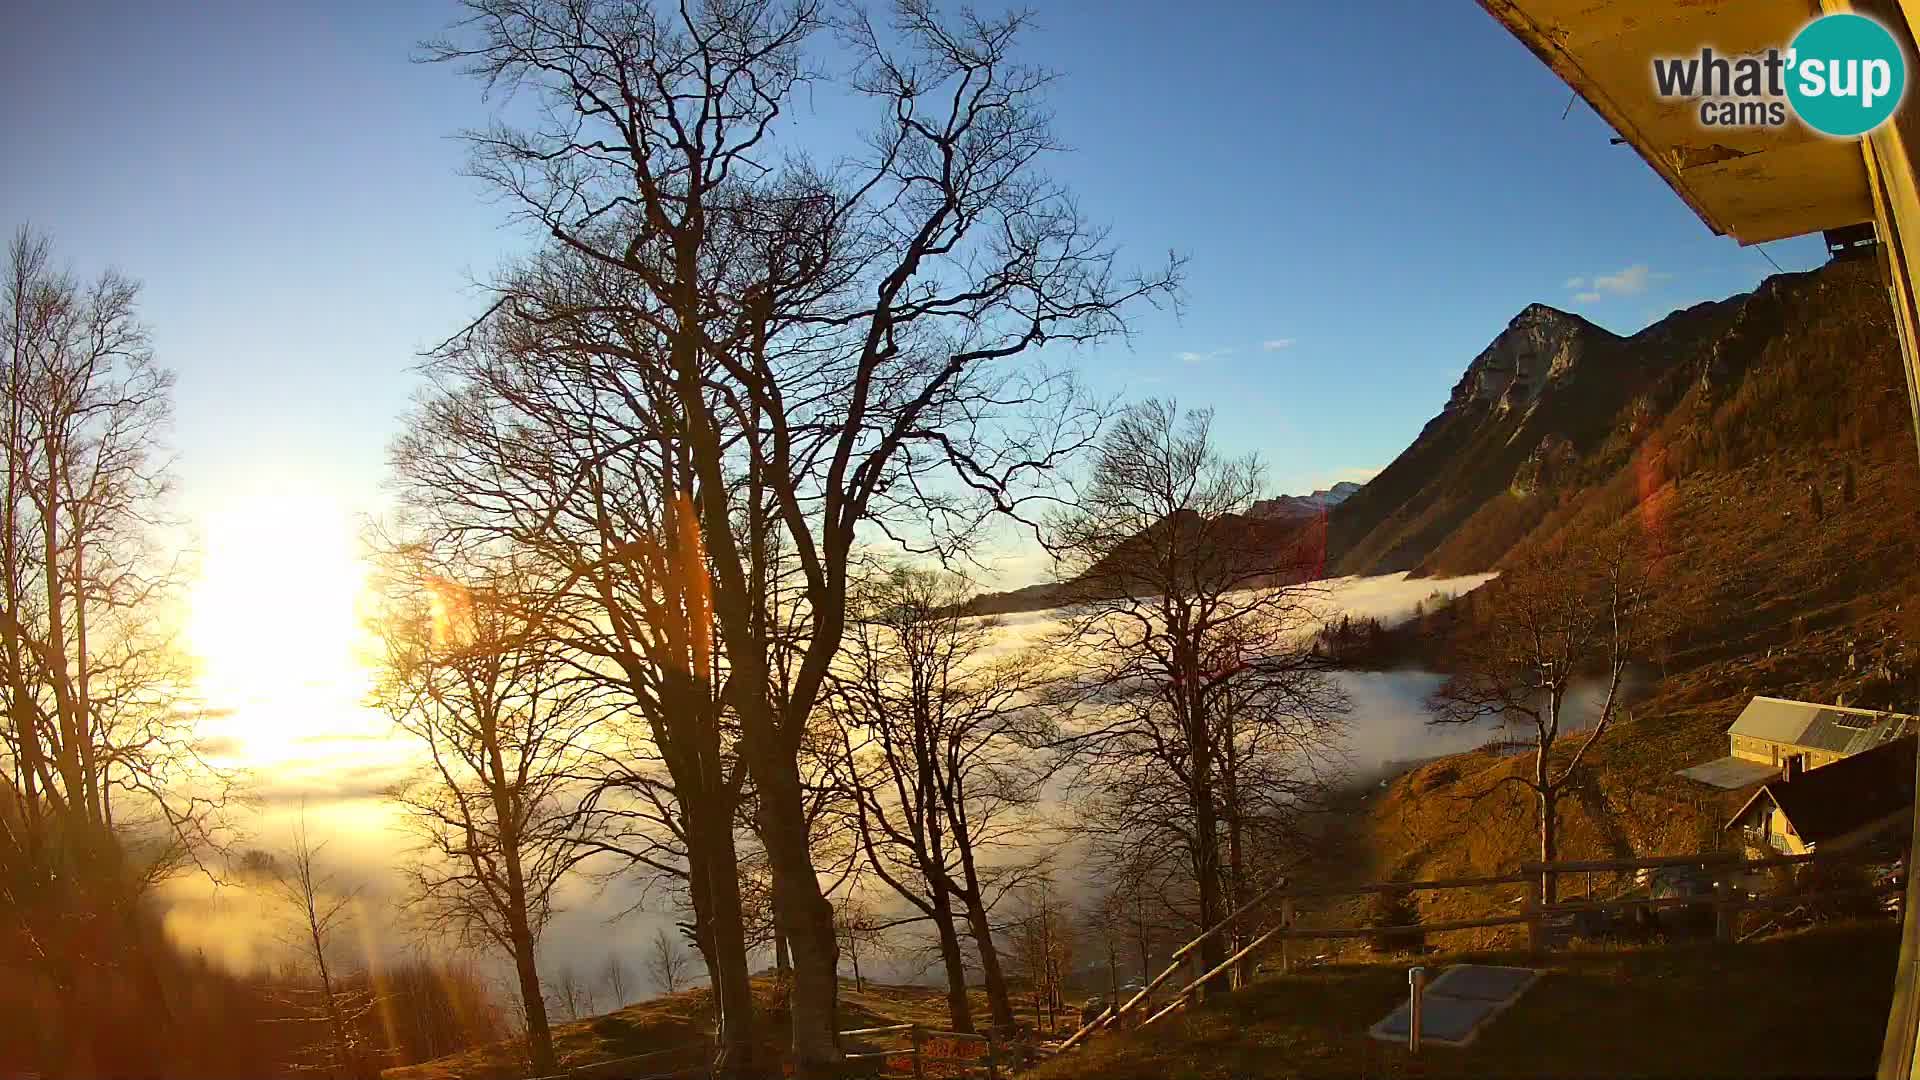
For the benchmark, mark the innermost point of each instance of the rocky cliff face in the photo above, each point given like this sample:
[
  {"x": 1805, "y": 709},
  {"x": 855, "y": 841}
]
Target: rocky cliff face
[
  {"x": 1556, "y": 414},
  {"x": 1547, "y": 376},
  {"x": 1539, "y": 348},
  {"x": 1555, "y": 408},
  {"x": 1549, "y": 462}
]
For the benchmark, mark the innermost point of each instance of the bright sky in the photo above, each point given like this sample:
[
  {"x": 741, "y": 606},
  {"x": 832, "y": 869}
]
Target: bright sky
[{"x": 1366, "y": 194}]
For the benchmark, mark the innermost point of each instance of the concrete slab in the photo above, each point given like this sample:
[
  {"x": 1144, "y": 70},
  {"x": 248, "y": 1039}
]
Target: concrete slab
[
  {"x": 1730, "y": 772},
  {"x": 1458, "y": 1004},
  {"x": 1442, "y": 1020},
  {"x": 1482, "y": 982}
]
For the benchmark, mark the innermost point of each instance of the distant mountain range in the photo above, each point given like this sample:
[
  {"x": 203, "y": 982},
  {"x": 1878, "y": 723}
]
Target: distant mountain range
[
  {"x": 1558, "y": 417},
  {"x": 1304, "y": 506}
]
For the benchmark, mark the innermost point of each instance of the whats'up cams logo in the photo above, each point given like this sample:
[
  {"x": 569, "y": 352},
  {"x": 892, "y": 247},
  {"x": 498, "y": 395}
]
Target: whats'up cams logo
[{"x": 1843, "y": 75}]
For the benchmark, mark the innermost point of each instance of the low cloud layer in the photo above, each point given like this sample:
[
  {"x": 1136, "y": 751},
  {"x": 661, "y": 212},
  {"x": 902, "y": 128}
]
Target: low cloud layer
[{"x": 337, "y": 781}]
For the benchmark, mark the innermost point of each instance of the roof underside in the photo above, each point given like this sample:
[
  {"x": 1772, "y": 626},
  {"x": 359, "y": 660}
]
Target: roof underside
[{"x": 1754, "y": 184}]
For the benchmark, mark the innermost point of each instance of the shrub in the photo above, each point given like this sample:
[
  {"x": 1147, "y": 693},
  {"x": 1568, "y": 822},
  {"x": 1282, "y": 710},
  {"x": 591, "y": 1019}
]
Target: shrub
[{"x": 1396, "y": 908}]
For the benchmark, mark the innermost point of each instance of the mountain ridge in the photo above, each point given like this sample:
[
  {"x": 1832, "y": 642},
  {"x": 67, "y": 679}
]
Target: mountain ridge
[{"x": 1554, "y": 411}]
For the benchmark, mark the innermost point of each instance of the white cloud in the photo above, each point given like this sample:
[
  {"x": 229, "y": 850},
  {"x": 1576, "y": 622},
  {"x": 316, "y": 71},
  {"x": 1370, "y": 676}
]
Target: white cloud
[
  {"x": 1630, "y": 281},
  {"x": 1633, "y": 279},
  {"x": 1276, "y": 344},
  {"x": 1201, "y": 357}
]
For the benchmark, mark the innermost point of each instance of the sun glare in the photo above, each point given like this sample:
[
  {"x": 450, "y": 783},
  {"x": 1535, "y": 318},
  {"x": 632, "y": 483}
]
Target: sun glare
[{"x": 274, "y": 615}]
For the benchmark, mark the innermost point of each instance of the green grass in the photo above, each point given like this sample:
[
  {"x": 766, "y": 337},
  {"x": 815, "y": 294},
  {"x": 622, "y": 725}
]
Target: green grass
[{"x": 1808, "y": 1004}]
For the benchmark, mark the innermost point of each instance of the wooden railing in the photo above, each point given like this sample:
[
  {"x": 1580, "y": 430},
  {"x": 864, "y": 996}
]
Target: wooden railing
[
  {"x": 919, "y": 1039},
  {"x": 1536, "y": 914},
  {"x": 652, "y": 1065}
]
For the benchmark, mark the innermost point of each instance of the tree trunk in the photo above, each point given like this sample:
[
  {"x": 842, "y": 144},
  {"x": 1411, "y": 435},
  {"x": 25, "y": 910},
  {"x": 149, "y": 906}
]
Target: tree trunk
[
  {"x": 1143, "y": 940},
  {"x": 519, "y": 930},
  {"x": 727, "y": 966},
  {"x": 1206, "y": 850},
  {"x": 1113, "y": 973},
  {"x": 999, "y": 998},
  {"x": 539, "y": 1035},
  {"x": 59, "y": 672},
  {"x": 800, "y": 911},
  {"x": 1238, "y": 936},
  {"x": 805, "y": 918},
  {"x": 959, "y": 1009}
]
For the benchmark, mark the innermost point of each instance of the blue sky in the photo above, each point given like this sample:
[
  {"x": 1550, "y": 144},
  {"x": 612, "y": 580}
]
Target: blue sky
[{"x": 1366, "y": 193}]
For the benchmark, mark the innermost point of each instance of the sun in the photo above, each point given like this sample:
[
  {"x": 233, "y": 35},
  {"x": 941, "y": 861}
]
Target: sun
[{"x": 274, "y": 618}]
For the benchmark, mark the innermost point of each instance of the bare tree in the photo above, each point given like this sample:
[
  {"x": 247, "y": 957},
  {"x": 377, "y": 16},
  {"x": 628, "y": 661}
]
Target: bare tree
[
  {"x": 1042, "y": 946},
  {"x": 104, "y": 793},
  {"x": 1201, "y": 706},
  {"x": 1103, "y": 927},
  {"x": 860, "y": 928},
  {"x": 940, "y": 737},
  {"x": 468, "y": 672},
  {"x": 614, "y": 976},
  {"x": 530, "y": 441},
  {"x": 571, "y": 994},
  {"x": 667, "y": 961},
  {"x": 834, "y": 338},
  {"x": 321, "y": 909},
  {"x": 1555, "y": 619},
  {"x": 1128, "y": 921}
]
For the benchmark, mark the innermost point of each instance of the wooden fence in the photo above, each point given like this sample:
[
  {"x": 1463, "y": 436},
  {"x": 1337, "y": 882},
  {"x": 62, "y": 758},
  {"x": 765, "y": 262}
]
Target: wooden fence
[
  {"x": 921, "y": 1040},
  {"x": 652, "y": 1065},
  {"x": 1536, "y": 914}
]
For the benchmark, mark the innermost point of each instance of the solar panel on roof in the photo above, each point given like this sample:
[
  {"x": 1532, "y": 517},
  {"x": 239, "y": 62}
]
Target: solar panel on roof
[{"x": 1854, "y": 721}]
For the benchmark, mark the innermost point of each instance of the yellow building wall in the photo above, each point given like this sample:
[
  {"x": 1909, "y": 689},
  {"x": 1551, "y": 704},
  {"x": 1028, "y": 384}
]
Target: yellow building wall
[
  {"x": 1748, "y": 748},
  {"x": 1769, "y": 752},
  {"x": 1777, "y": 826}
]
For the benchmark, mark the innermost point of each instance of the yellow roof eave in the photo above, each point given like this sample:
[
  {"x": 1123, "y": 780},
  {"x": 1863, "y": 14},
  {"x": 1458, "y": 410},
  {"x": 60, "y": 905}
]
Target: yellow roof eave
[{"x": 1755, "y": 185}]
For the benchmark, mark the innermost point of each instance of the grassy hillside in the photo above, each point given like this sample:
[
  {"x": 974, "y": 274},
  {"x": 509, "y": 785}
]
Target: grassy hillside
[
  {"x": 674, "y": 1031},
  {"x": 1696, "y": 1010},
  {"x": 1798, "y": 387}
]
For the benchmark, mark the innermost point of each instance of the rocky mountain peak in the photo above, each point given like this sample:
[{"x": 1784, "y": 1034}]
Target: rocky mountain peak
[
  {"x": 1539, "y": 347},
  {"x": 1286, "y": 506}
]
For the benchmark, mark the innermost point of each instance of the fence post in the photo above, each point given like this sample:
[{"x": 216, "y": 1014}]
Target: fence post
[
  {"x": 1286, "y": 939},
  {"x": 919, "y": 1049},
  {"x": 1416, "y": 993},
  {"x": 993, "y": 1054},
  {"x": 1723, "y": 906},
  {"x": 1536, "y": 935}
]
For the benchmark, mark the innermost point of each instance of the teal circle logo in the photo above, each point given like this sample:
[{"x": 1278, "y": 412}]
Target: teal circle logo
[{"x": 1845, "y": 75}]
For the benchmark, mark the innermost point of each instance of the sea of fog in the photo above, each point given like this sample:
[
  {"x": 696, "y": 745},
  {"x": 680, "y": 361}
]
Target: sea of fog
[{"x": 333, "y": 764}]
